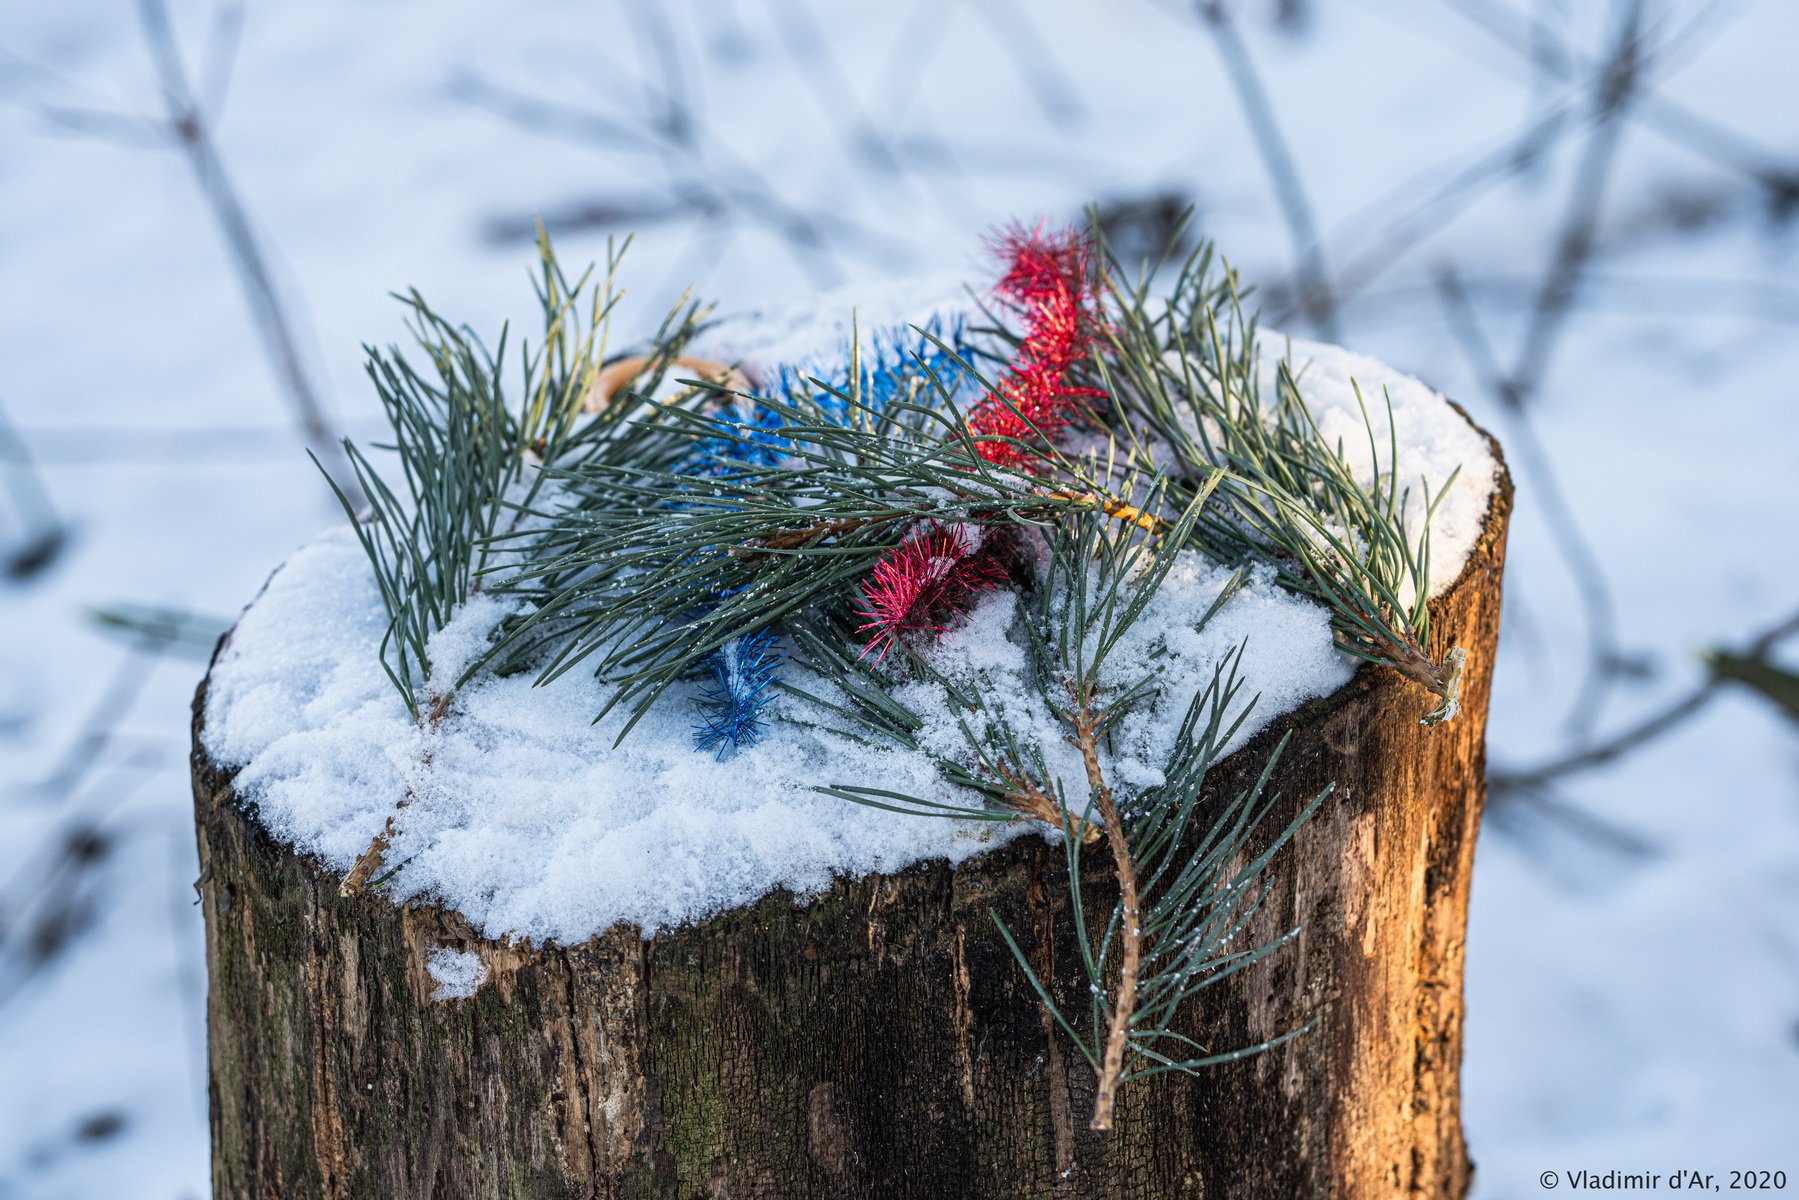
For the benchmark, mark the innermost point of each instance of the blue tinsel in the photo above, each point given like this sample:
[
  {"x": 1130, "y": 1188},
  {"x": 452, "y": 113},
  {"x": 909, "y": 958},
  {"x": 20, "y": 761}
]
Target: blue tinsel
[
  {"x": 743, "y": 443},
  {"x": 742, "y": 670},
  {"x": 898, "y": 366}
]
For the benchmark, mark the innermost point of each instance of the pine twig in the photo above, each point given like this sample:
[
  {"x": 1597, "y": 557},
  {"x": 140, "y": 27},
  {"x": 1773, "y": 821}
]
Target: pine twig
[
  {"x": 1131, "y": 935},
  {"x": 1186, "y": 368},
  {"x": 356, "y": 879}
]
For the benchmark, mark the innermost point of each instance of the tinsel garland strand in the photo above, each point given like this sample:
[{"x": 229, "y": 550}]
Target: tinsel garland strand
[
  {"x": 1047, "y": 282},
  {"x": 930, "y": 578},
  {"x": 901, "y": 366}
]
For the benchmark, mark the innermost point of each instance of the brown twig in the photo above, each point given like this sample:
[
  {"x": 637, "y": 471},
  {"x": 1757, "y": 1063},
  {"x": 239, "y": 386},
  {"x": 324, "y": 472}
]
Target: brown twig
[
  {"x": 1117, "y": 509},
  {"x": 356, "y": 879},
  {"x": 1086, "y": 739},
  {"x": 615, "y": 376},
  {"x": 1646, "y": 730},
  {"x": 1441, "y": 678},
  {"x": 805, "y": 535},
  {"x": 1028, "y": 800}
]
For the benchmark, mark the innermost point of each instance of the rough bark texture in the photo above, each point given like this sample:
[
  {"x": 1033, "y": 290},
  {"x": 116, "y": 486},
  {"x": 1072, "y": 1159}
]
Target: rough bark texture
[{"x": 877, "y": 1041}]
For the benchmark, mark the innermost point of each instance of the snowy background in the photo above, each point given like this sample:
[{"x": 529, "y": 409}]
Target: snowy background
[{"x": 1578, "y": 217}]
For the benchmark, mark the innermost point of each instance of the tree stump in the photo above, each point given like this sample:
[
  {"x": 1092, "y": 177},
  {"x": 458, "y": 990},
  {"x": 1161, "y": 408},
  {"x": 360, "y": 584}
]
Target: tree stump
[{"x": 878, "y": 1041}]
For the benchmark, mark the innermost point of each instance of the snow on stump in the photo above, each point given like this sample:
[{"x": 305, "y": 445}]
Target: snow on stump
[{"x": 645, "y": 972}]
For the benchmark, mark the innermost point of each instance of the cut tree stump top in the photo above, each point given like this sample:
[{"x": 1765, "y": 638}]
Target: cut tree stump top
[{"x": 873, "y": 1038}]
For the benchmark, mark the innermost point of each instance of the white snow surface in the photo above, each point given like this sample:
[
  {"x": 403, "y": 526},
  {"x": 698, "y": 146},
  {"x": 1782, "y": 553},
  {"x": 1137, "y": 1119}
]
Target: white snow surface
[
  {"x": 524, "y": 815},
  {"x": 458, "y": 974},
  {"x": 818, "y": 329},
  {"x": 525, "y": 818}
]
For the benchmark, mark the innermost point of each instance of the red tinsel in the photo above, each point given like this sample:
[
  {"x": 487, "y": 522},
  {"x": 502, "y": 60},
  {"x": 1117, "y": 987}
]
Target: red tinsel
[
  {"x": 1046, "y": 281},
  {"x": 928, "y": 579},
  {"x": 936, "y": 572}
]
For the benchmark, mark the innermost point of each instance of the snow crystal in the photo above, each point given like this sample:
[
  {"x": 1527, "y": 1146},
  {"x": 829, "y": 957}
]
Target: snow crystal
[
  {"x": 525, "y": 817},
  {"x": 457, "y": 973}
]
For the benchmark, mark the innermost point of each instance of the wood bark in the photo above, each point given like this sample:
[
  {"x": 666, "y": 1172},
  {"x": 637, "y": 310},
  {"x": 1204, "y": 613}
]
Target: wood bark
[{"x": 877, "y": 1041}]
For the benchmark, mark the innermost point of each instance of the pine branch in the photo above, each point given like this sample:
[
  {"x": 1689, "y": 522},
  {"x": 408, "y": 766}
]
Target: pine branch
[
  {"x": 649, "y": 570},
  {"x": 705, "y": 538},
  {"x": 467, "y": 473},
  {"x": 1185, "y": 368},
  {"x": 1181, "y": 901}
]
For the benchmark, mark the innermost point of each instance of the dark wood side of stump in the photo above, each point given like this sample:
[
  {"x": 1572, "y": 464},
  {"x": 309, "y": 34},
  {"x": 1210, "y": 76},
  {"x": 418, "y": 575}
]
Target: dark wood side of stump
[{"x": 877, "y": 1041}]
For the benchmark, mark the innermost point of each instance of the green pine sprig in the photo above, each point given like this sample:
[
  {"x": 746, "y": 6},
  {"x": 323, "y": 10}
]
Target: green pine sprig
[
  {"x": 1182, "y": 366},
  {"x": 436, "y": 528}
]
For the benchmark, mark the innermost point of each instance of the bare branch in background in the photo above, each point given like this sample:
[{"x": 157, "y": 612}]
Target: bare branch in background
[
  {"x": 1139, "y": 228},
  {"x": 1035, "y": 59},
  {"x": 1308, "y": 249},
  {"x": 186, "y": 124},
  {"x": 635, "y": 212},
  {"x": 54, "y": 909},
  {"x": 709, "y": 176},
  {"x": 809, "y": 51},
  {"x": 1527, "y": 811},
  {"x": 1597, "y": 605},
  {"x": 220, "y": 58},
  {"x": 1545, "y": 79},
  {"x": 89, "y": 749},
  {"x": 121, "y": 129},
  {"x": 1759, "y": 650},
  {"x": 190, "y": 124},
  {"x": 1614, "y": 90},
  {"x": 59, "y": 445},
  {"x": 1776, "y": 175},
  {"x": 1759, "y": 300},
  {"x": 1417, "y": 220},
  {"x": 1553, "y": 119},
  {"x": 178, "y": 631},
  {"x": 42, "y": 532}
]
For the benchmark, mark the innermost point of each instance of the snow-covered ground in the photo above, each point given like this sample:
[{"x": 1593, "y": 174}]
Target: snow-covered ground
[{"x": 1634, "y": 955}]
